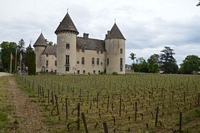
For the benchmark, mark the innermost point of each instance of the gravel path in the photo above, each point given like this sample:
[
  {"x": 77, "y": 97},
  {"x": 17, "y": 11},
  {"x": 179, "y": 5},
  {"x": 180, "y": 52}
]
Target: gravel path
[
  {"x": 26, "y": 113},
  {"x": 4, "y": 74}
]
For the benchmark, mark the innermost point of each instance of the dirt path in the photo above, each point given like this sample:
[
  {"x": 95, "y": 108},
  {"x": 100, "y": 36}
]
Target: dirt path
[{"x": 26, "y": 113}]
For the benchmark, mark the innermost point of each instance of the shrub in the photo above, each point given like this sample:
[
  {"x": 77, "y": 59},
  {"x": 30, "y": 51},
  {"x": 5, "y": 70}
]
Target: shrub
[{"x": 114, "y": 73}]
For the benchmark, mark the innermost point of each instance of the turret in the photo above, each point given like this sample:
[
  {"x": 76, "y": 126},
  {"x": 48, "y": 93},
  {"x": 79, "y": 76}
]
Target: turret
[
  {"x": 40, "y": 46},
  {"x": 66, "y": 46},
  {"x": 115, "y": 48}
]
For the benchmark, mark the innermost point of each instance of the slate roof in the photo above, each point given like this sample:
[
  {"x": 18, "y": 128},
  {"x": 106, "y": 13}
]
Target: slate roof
[
  {"x": 90, "y": 44},
  {"x": 40, "y": 41},
  {"x": 50, "y": 50},
  {"x": 66, "y": 25},
  {"x": 115, "y": 33}
]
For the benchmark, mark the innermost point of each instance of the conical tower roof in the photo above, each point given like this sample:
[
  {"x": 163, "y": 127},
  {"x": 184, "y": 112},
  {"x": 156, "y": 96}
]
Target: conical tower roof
[
  {"x": 115, "y": 33},
  {"x": 40, "y": 41},
  {"x": 66, "y": 25}
]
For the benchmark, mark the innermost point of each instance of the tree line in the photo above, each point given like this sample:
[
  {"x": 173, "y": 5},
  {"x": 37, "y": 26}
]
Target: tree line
[
  {"x": 11, "y": 53},
  {"x": 166, "y": 63}
]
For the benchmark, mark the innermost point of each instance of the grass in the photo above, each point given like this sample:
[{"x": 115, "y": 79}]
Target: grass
[{"x": 3, "y": 103}]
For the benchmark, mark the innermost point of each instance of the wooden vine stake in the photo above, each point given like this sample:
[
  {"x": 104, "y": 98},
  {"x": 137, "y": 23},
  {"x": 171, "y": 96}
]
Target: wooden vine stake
[
  {"x": 66, "y": 104},
  {"x": 56, "y": 98},
  {"x": 84, "y": 122},
  {"x": 108, "y": 103},
  {"x": 180, "y": 123},
  {"x": 156, "y": 121},
  {"x": 120, "y": 106},
  {"x": 105, "y": 127},
  {"x": 52, "y": 99},
  {"x": 135, "y": 111},
  {"x": 48, "y": 96},
  {"x": 78, "y": 116}
]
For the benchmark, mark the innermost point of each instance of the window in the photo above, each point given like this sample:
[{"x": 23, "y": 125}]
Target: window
[
  {"x": 46, "y": 54},
  {"x": 83, "y": 49},
  {"x": 83, "y": 71},
  {"x": 78, "y": 71},
  {"x": 107, "y": 61},
  {"x": 97, "y": 61},
  {"x": 121, "y": 51},
  {"x": 121, "y": 69},
  {"x": 99, "y": 71},
  {"x": 121, "y": 61},
  {"x": 83, "y": 60},
  {"x": 101, "y": 63},
  {"x": 92, "y": 61},
  {"x": 47, "y": 63},
  {"x": 67, "y": 59},
  {"x": 67, "y": 46},
  {"x": 101, "y": 52},
  {"x": 55, "y": 63},
  {"x": 97, "y": 51},
  {"x": 67, "y": 69},
  {"x": 46, "y": 71},
  {"x": 94, "y": 71},
  {"x": 77, "y": 62}
]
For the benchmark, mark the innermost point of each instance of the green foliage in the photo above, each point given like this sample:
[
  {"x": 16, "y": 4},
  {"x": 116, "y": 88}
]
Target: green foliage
[
  {"x": 153, "y": 63},
  {"x": 2, "y": 69},
  {"x": 101, "y": 73},
  {"x": 114, "y": 73},
  {"x": 30, "y": 60},
  {"x": 6, "y": 49},
  {"x": 132, "y": 56},
  {"x": 141, "y": 66},
  {"x": 190, "y": 63},
  {"x": 167, "y": 61}
]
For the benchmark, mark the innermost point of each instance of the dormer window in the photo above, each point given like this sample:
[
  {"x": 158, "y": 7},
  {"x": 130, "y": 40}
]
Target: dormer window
[{"x": 46, "y": 54}]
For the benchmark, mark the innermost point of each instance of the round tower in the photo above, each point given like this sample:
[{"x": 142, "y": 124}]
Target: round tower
[
  {"x": 39, "y": 46},
  {"x": 66, "y": 46},
  {"x": 115, "y": 49}
]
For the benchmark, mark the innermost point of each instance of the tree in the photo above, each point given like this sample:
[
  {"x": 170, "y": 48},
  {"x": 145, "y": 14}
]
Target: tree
[
  {"x": 6, "y": 49},
  {"x": 153, "y": 63},
  {"x": 21, "y": 46},
  {"x": 190, "y": 63},
  {"x": 143, "y": 65},
  {"x": 167, "y": 61},
  {"x": 30, "y": 60},
  {"x": 132, "y": 56},
  {"x": 198, "y": 4}
]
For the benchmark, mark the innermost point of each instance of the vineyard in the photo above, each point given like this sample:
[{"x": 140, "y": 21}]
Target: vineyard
[{"x": 116, "y": 103}]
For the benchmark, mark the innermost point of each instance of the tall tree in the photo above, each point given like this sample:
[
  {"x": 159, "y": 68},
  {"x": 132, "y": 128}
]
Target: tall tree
[
  {"x": 30, "y": 60},
  {"x": 167, "y": 61},
  {"x": 6, "y": 49},
  {"x": 153, "y": 63},
  {"x": 133, "y": 56},
  {"x": 21, "y": 45},
  {"x": 190, "y": 63}
]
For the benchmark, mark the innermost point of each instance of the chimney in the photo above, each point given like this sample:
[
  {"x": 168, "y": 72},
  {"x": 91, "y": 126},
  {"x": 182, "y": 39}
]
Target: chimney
[{"x": 85, "y": 35}]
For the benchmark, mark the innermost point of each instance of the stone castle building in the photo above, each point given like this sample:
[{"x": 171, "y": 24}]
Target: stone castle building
[{"x": 81, "y": 55}]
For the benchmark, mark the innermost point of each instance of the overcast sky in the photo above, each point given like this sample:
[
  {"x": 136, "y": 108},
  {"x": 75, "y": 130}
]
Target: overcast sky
[{"x": 147, "y": 25}]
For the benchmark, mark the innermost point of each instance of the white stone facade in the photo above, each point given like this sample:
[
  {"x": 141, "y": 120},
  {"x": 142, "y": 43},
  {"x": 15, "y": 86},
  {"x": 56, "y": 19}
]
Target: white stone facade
[{"x": 81, "y": 55}]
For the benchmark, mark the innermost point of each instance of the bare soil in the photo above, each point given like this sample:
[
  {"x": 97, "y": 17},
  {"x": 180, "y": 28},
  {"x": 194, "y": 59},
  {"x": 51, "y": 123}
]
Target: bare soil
[{"x": 24, "y": 114}]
